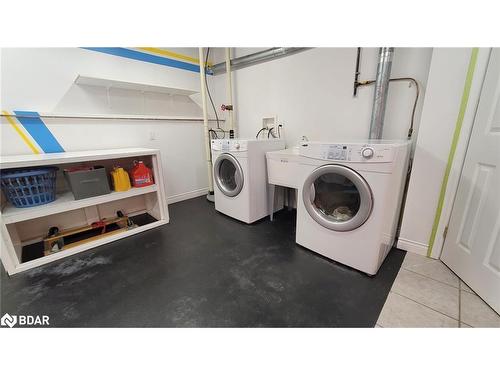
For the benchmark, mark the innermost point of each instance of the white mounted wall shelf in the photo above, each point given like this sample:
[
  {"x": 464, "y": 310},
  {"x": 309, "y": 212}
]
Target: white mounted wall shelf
[
  {"x": 130, "y": 85},
  {"x": 26, "y": 226}
]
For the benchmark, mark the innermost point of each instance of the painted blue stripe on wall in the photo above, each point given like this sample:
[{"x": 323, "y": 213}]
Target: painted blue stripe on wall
[
  {"x": 146, "y": 57},
  {"x": 39, "y": 131}
]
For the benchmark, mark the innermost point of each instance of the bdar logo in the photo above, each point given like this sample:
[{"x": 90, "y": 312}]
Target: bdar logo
[
  {"x": 8, "y": 320},
  {"x": 24, "y": 320}
]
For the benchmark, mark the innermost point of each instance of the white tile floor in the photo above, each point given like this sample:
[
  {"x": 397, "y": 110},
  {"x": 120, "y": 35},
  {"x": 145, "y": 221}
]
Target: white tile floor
[{"x": 427, "y": 294}]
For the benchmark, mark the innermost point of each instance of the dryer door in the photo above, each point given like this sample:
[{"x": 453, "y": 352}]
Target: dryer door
[
  {"x": 228, "y": 175},
  {"x": 337, "y": 197}
]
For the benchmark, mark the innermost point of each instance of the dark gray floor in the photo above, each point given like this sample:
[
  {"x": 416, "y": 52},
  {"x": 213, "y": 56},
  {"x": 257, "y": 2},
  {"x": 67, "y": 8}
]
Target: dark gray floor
[{"x": 202, "y": 270}]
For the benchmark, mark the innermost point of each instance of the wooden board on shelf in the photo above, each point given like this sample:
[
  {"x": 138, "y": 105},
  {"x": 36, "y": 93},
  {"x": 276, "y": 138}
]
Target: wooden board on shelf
[{"x": 58, "y": 239}]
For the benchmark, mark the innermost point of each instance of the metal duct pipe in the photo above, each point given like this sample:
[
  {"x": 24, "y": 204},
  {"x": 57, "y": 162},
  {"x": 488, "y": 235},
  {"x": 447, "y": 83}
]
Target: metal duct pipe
[
  {"x": 381, "y": 90},
  {"x": 256, "y": 58}
]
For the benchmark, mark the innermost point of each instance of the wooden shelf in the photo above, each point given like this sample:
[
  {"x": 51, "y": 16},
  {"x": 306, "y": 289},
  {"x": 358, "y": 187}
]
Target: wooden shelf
[
  {"x": 66, "y": 202},
  {"x": 129, "y": 85},
  {"x": 16, "y": 233},
  {"x": 32, "y": 160}
]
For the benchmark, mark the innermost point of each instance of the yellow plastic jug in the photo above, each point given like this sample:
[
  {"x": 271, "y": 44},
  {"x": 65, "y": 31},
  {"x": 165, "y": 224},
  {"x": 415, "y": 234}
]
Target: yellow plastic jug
[{"x": 121, "y": 181}]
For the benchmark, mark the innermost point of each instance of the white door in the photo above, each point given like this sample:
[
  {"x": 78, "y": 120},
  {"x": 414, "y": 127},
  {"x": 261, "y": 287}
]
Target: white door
[{"x": 472, "y": 245}]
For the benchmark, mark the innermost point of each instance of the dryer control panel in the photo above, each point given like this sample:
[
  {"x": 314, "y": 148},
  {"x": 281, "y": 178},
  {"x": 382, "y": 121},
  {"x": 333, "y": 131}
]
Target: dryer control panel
[
  {"x": 229, "y": 145},
  {"x": 348, "y": 152}
]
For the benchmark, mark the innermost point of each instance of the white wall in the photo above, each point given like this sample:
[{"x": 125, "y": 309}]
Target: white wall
[
  {"x": 311, "y": 93},
  {"x": 42, "y": 79},
  {"x": 439, "y": 118}
]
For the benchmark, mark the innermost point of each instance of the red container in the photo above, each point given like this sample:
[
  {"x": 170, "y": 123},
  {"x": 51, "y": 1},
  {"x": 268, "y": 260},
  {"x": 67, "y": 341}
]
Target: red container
[{"x": 141, "y": 175}]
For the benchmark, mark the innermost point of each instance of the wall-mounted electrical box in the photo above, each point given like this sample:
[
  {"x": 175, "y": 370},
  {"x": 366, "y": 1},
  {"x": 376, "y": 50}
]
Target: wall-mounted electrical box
[
  {"x": 269, "y": 122},
  {"x": 270, "y": 127}
]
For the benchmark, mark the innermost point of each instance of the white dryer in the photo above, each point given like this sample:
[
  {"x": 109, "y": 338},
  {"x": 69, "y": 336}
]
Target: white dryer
[
  {"x": 349, "y": 199},
  {"x": 241, "y": 189}
]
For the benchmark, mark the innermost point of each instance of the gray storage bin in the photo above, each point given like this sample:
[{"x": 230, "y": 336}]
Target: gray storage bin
[{"x": 90, "y": 183}]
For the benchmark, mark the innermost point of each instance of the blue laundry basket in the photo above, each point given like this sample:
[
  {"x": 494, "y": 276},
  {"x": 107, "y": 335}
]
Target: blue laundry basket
[{"x": 29, "y": 187}]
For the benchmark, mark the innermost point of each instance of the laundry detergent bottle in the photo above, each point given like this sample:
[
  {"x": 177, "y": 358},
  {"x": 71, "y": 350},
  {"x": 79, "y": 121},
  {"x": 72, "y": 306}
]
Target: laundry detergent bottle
[
  {"x": 141, "y": 175},
  {"x": 121, "y": 180}
]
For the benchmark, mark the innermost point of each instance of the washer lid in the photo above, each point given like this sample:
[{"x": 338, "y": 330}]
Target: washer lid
[
  {"x": 228, "y": 175},
  {"x": 337, "y": 197}
]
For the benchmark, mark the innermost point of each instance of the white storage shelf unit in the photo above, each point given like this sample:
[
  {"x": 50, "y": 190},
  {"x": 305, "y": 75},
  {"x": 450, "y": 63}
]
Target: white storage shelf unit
[{"x": 21, "y": 227}]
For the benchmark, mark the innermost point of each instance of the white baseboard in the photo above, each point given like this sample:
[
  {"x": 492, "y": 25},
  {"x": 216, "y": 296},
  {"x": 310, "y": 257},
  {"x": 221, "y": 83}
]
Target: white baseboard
[
  {"x": 413, "y": 246},
  {"x": 188, "y": 195}
]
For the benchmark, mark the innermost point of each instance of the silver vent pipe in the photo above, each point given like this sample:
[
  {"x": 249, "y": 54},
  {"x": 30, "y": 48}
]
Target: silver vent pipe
[
  {"x": 256, "y": 58},
  {"x": 381, "y": 90}
]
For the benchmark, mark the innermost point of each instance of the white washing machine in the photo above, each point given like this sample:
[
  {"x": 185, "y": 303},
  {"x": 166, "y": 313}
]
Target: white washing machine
[
  {"x": 241, "y": 189},
  {"x": 349, "y": 199}
]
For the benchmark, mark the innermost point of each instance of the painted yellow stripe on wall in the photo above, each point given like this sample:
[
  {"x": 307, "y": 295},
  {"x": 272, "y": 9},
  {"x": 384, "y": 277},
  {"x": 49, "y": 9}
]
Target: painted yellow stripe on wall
[
  {"x": 453, "y": 148},
  {"x": 175, "y": 55},
  {"x": 18, "y": 130}
]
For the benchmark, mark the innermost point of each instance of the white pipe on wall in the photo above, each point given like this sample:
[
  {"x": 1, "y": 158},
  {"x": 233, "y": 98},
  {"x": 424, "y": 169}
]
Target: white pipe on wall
[
  {"x": 205, "y": 120},
  {"x": 229, "y": 88}
]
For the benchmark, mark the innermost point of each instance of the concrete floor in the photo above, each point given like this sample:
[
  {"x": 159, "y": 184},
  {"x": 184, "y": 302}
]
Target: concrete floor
[{"x": 202, "y": 270}]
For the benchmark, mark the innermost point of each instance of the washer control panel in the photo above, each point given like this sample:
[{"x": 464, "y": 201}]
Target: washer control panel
[
  {"x": 349, "y": 152},
  {"x": 229, "y": 145}
]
